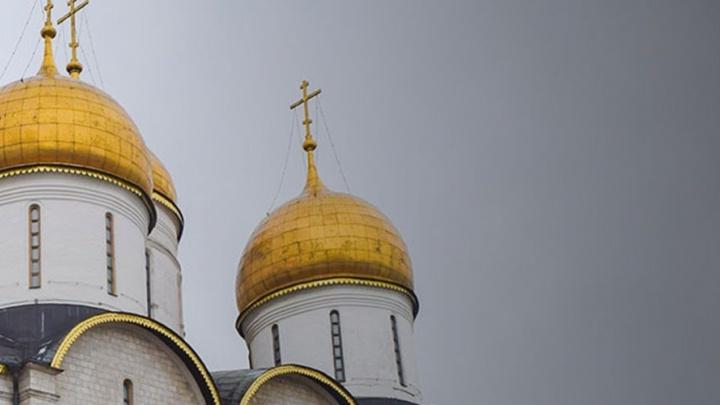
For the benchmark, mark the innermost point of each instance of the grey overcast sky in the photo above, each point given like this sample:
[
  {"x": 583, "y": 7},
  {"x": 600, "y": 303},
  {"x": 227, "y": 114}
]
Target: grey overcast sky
[{"x": 552, "y": 165}]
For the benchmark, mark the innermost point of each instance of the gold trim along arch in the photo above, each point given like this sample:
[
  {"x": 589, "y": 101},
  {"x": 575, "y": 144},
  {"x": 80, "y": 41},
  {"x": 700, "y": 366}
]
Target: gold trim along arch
[
  {"x": 209, "y": 389},
  {"x": 318, "y": 376}
]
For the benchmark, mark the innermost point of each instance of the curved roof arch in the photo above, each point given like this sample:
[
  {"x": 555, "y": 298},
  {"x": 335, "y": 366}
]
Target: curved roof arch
[
  {"x": 176, "y": 343},
  {"x": 239, "y": 387}
]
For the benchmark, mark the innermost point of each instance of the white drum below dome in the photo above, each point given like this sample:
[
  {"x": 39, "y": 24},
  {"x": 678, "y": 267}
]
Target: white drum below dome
[
  {"x": 365, "y": 316},
  {"x": 165, "y": 275},
  {"x": 73, "y": 245}
]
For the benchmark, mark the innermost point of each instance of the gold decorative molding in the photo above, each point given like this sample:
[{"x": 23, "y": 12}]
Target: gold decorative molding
[
  {"x": 325, "y": 283},
  {"x": 299, "y": 370},
  {"x": 169, "y": 204},
  {"x": 114, "y": 317},
  {"x": 3, "y": 369},
  {"x": 70, "y": 170}
]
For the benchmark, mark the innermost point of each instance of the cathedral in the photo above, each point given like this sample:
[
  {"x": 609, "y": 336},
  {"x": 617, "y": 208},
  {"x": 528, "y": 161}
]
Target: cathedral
[{"x": 90, "y": 287}]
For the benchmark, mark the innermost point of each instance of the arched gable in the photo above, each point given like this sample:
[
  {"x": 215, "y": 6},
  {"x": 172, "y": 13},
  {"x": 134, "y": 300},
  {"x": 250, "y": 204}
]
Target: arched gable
[
  {"x": 171, "y": 339},
  {"x": 330, "y": 385}
]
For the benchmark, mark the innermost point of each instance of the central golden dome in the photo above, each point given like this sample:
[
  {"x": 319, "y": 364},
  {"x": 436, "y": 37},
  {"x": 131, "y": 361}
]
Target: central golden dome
[
  {"x": 55, "y": 123},
  {"x": 319, "y": 236},
  {"x": 318, "y": 239}
]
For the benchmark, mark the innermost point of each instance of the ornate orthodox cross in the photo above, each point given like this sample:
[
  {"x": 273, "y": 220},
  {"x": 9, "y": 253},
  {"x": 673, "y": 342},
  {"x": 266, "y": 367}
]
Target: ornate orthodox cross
[
  {"x": 48, "y": 12},
  {"x": 74, "y": 67},
  {"x": 48, "y": 32},
  {"x": 309, "y": 145}
]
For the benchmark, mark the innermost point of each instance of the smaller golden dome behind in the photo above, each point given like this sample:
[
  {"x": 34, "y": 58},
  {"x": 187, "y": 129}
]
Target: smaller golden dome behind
[
  {"x": 162, "y": 181},
  {"x": 57, "y": 121},
  {"x": 321, "y": 235}
]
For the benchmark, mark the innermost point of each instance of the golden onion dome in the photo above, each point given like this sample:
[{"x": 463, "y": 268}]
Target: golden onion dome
[
  {"x": 164, "y": 188},
  {"x": 318, "y": 239},
  {"x": 54, "y": 123},
  {"x": 162, "y": 182},
  {"x": 322, "y": 236}
]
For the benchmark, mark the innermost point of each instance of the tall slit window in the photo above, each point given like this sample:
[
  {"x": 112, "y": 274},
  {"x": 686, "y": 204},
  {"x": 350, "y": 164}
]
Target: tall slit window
[
  {"x": 338, "y": 360},
  {"x": 127, "y": 392},
  {"x": 396, "y": 344},
  {"x": 34, "y": 239},
  {"x": 110, "y": 253},
  {"x": 148, "y": 291},
  {"x": 276, "y": 344}
]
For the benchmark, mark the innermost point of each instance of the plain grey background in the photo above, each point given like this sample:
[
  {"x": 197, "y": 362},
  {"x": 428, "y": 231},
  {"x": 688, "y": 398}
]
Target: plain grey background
[{"x": 552, "y": 166}]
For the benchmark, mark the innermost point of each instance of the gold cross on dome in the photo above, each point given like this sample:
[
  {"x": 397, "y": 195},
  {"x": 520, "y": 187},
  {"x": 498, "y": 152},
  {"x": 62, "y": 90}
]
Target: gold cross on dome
[
  {"x": 74, "y": 67},
  {"x": 48, "y": 12},
  {"x": 309, "y": 145},
  {"x": 48, "y": 32}
]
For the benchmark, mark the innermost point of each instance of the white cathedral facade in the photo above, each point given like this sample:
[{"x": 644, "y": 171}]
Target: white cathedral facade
[{"x": 90, "y": 282}]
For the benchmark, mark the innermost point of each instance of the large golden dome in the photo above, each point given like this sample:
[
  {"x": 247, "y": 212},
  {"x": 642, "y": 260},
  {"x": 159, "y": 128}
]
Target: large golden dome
[
  {"x": 321, "y": 238},
  {"x": 54, "y": 123}
]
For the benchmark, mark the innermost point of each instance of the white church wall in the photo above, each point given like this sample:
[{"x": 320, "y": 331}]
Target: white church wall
[
  {"x": 37, "y": 385},
  {"x": 292, "y": 390},
  {"x": 303, "y": 319},
  {"x": 165, "y": 272},
  {"x": 99, "y": 362},
  {"x": 73, "y": 250},
  {"x": 6, "y": 389}
]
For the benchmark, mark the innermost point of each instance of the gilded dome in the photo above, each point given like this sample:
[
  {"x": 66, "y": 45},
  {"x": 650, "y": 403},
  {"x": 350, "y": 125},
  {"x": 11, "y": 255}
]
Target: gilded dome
[
  {"x": 162, "y": 182},
  {"x": 164, "y": 189},
  {"x": 321, "y": 238},
  {"x": 50, "y": 122}
]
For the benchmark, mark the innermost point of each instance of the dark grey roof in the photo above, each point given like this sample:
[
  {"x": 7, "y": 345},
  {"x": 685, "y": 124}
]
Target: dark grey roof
[
  {"x": 31, "y": 333},
  {"x": 232, "y": 384},
  {"x": 382, "y": 401}
]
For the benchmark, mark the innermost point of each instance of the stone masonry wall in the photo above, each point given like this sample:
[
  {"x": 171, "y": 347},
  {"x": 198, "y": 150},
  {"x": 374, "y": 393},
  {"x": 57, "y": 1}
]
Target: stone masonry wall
[
  {"x": 292, "y": 390},
  {"x": 103, "y": 357},
  {"x": 6, "y": 389}
]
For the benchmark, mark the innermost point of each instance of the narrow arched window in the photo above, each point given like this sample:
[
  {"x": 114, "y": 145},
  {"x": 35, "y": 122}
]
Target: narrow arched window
[
  {"x": 338, "y": 360},
  {"x": 396, "y": 345},
  {"x": 110, "y": 253},
  {"x": 127, "y": 392},
  {"x": 34, "y": 243},
  {"x": 276, "y": 344},
  {"x": 147, "y": 283}
]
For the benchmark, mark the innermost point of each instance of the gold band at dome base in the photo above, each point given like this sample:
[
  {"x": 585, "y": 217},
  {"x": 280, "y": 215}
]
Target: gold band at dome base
[
  {"x": 115, "y": 317},
  {"x": 326, "y": 283},
  {"x": 294, "y": 369},
  {"x": 169, "y": 204},
  {"x": 71, "y": 170}
]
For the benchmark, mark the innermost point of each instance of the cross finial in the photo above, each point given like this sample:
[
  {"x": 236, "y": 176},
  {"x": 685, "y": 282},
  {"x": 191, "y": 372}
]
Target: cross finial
[
  {"x": 48, "y": 32},
  {"x": 48, "y": 13},
  {"x": 74, "y": 67},
  {"x": 313, "y": 180}
]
